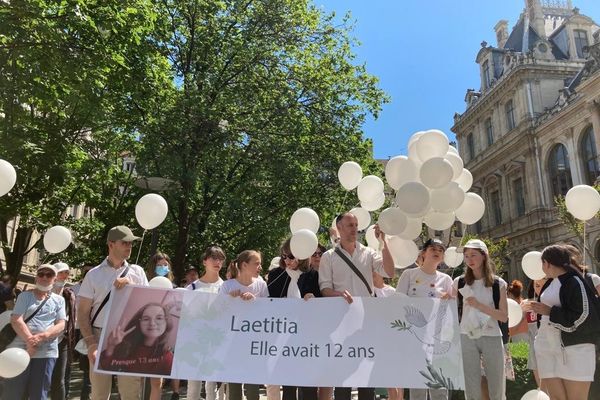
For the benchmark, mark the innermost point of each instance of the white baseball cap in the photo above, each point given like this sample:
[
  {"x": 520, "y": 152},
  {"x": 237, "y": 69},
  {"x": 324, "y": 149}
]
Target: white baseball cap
[
  {"x": 61, "y": 266},
  {"x": 473, "y": 244},
  {"x": 46, "y": 266}
]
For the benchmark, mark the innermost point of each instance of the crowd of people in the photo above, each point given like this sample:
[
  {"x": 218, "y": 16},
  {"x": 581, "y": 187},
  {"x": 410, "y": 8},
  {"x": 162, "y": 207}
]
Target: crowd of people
[{"x": 561, "y": 316}]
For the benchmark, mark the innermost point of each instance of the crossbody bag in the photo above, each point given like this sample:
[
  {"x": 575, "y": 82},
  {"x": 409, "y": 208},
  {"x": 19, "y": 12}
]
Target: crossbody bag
[{"x": 339, "y": 252}]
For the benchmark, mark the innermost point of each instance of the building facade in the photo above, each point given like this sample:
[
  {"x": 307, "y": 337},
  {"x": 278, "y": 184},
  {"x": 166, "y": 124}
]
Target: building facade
[{"x": 532, "y": 130}]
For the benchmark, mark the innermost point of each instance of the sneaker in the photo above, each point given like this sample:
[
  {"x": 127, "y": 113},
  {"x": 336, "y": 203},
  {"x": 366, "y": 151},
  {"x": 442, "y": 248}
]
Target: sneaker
[{"x": 175, "y": 396}]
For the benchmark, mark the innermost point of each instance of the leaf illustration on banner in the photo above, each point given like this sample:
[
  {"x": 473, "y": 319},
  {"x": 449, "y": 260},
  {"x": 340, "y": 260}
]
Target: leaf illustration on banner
[
  {"x": 208, "y": 311},
  {"x": 201, "y": 349},
  {"x": 436, "y": 379}
]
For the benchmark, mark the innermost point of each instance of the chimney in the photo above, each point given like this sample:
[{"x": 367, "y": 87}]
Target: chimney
[
  {"x": 501, "y": 29},
  {"x": 536, "y": 17}
]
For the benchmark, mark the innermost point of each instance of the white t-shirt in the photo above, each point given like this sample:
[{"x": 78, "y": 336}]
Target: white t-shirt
[
  {"x": 98, "y": 282},
  {"x": 385, "y": 291},
  {"x": 258, "y": 287},
  {"x": 417, "y": 283},
  {"x": 595, "y": 280},
  {"x": 207, "y": 287},
  {"x": 551, "y": 297},
  {"x": 485, "y": 296}
]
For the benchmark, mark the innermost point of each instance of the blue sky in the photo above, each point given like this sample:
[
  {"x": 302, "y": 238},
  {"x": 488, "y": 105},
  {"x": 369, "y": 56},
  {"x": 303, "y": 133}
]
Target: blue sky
[{"x": 424, "y": 55}]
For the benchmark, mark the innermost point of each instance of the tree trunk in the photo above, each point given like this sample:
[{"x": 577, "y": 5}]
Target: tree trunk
[
  {"x": 183, "y": 235},
  {"x": 14, "y": 258}
]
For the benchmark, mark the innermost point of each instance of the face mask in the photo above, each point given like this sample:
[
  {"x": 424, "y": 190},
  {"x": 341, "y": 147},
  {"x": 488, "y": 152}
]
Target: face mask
[
  {"x": 162, "y": 270},
  {"x": 43, "y": 288},
  {"x": 59, "y": 284}
]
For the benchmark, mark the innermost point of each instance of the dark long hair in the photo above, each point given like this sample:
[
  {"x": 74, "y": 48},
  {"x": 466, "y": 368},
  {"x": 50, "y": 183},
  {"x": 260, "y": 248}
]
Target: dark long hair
[
  {"x": 152, "y": 265},
  {"x": 135, "y": 338}
]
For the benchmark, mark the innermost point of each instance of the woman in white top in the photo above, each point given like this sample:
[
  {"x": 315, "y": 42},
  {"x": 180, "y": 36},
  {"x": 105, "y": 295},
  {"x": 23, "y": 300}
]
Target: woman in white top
[
  {"x": 245, "y": 283},
  {"x": 427, "y": 281},
  {"x": 210, "y": 282},
  {"x": 484, "y": 342}
]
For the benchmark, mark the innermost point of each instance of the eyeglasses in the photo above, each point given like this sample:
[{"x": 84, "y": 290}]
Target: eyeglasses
[
  {"x": 158, "y": 320},
  {"x": 45, "y": 275},
  {"x": 317, "y": 254},
  {"x": 287, "y": 257}
]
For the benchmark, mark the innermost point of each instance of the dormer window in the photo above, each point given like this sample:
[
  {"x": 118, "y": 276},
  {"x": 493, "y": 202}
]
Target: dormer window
[
  {"x": 581, "y": 42},
  {"x": 487, "y": 77}
]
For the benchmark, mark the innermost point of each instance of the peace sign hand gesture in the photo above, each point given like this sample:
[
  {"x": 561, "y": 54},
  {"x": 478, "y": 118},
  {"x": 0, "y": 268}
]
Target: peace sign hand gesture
[{"x": 115, "y": 338}]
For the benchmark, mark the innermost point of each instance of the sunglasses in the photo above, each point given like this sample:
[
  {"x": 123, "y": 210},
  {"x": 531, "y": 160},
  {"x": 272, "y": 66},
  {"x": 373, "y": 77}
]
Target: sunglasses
[
  {"x": 45, "y": 275},
  {"x": 287, "y": 257},
  {"x": 317, "y": 254}
]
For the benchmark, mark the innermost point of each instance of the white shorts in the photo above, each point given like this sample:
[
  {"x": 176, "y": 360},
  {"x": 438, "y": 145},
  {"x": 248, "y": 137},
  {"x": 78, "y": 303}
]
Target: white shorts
[{"x": 574, "y": 363}]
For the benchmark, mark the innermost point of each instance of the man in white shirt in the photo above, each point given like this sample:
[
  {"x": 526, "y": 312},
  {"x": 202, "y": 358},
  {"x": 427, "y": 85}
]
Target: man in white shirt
[
  {"x": 95, "y": 287},
  {"x": 336, "y": 277}
]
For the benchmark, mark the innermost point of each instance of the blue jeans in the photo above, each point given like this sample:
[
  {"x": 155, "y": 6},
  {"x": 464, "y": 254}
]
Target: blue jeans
[{"x": 35, "y": 379}]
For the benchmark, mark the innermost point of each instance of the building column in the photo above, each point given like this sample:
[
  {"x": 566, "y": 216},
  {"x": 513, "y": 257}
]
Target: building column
[
  {"x": 594, "y": 107},
  {"x": 574, "y": 159}
]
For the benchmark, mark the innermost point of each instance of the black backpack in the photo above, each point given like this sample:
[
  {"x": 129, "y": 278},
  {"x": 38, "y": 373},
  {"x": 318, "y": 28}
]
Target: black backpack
[{"x": 495, "y": 295}]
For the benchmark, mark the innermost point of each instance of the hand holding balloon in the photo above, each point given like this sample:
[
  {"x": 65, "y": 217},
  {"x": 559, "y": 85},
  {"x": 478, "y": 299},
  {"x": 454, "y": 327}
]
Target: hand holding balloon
[{"x": 121, "y": 282}]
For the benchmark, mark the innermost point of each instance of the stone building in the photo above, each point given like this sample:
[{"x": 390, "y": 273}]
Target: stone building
[{"x": 532, "y": 130}]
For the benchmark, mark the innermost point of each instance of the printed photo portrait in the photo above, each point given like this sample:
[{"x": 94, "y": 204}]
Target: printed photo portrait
[{"x": 141, "y": 331}]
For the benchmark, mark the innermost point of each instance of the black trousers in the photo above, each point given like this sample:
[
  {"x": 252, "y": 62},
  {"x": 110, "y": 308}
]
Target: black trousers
[
  {"x": 58, "y": 389},
  {"x": 341, "y": 393},
  {"x": 306, "y": 393}
]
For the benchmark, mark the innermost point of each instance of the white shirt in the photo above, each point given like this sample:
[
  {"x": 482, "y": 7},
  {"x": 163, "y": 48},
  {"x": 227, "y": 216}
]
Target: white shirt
[
  {"x": 206, "y": 287},
  {"x": 485, "y": 296},
  {"x": 334, "y": 272},
  {"x": 551, "y": 296},
  {"x": 98, "y": 282},
  {"x": 385, "y": 291},
  {"x": 258, "y": 287},
  {"x": 415, "y": 282}
]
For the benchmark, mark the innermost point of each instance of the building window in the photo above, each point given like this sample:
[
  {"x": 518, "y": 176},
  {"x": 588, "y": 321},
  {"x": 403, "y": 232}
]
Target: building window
[
  {"x": 519, "y": 197},
  {"x": 471, "y": 146},
  {"x": 487, "y": 80},
  {"x": 589, "y": 156},
  {"x": 581, "y": 43},
  {"x": 489, "y": 131},
  {"x": 560, "y": 171},
  {"x": 510, "y": 115},
  {"x": 496, "y": 209}
]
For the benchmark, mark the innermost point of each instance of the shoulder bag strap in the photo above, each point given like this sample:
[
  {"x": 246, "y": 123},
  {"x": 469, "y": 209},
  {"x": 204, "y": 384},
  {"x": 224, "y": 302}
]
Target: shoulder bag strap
[
  {"x": 106, "y": 300},
  {"x": 353, "y": 267},
  {"x": 459, "y": 296},
  {"x": 39, "y": 308}
]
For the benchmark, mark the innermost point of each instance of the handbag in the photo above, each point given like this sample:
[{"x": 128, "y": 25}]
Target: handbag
[
  {"x": 81, "y": 346},
  {"x": 356, "y": 270},
  {"x": 8, "y": 334}
]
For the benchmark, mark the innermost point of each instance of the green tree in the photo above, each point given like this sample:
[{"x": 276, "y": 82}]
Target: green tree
[
  {"x": 75, "y": 77},
  {"x": 268, "y": 103}
]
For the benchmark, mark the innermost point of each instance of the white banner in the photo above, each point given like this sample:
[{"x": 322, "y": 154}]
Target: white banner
[{"x": 373, "y": 342}]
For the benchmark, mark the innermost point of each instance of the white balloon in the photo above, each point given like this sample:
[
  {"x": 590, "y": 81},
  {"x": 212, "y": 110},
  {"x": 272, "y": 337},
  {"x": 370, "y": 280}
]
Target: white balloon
[
  {"x": 392, "y": 221},
  {"x": 414, "y": 227},
  {"x": 369, "y": 188},
  {"x": 161, "y": 282},
  {"x": 375, "y": 204},
  {"x": 372, "y": 240},
  {"x": 452, "y": 258},
  {"x": 465, "y": 180},
  {"x": 412, "y": 154},
  {"x": 438, "y": 220},
  {"x": 304, "y": 218},
  {"x": 5, "y": 318},
  {"x": 151, "y": 210},
  {"x": 413, "y": 198},
  {"x": 13, "y": 362},
  {"x": 471, "y": 210},
  {"x": 457, "y": 164},
  {"x": 515, "y": 313},
  {"x": 447, "y": 198},
  {"x": 400, "y": 170},
  {"x": 303, "y": 244},
  {"x": 414, "y": 137},
  {"x": 433, "y": 143},
  {"x": 363, "y": 217},
  {"x": 532, "y": 265},
  {"x": 452, "y": 149},
  {"x": 404, "y": 252},
  {"x": 57, "y": 239},
  {"x": 350, "y": 174},
  {"x": 436, "y": 172},
  {"x": 583, "y": 202},
  {"x": 8, "y": 177},
  {"x": 535, "y": 394}
]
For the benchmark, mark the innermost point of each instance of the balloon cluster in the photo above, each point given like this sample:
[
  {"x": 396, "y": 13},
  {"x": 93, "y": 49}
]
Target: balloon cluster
[
  {"x": 304, "y": 225},
  {"x": 431, "y": 187},
  {"x": 13, "y": 361}
]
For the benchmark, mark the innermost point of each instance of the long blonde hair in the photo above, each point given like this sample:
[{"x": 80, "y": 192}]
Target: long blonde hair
[
  {"x": 246, "y": 256},
  {"x": 487, "y": 270}
]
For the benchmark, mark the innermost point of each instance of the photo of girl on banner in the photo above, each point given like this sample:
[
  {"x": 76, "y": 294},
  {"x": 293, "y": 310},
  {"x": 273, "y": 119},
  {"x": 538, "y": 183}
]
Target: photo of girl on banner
[{"x": 141, "y": 339}]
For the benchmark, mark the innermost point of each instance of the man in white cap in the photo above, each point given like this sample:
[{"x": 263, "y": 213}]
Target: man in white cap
[
  {"x": 115, "y": 272},
  {"x": 38, "y": 319}
]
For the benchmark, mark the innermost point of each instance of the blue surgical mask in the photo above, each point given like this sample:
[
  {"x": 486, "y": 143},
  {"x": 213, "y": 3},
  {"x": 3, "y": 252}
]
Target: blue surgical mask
[{"x": 162, "y": 270}]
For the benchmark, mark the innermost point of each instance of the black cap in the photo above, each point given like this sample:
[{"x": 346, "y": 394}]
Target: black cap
[
  {"x": 190, "y": 269},
  {"x": 433, "y": 242}
]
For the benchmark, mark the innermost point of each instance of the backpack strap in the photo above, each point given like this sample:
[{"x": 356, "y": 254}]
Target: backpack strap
[
  {"x": 496, "y": 296},
  {"x": 459, "y": 297}
]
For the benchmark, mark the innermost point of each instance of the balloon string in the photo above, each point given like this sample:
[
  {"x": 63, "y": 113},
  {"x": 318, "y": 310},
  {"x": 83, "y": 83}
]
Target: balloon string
[
  {"x": 140, "y": 249},
  {"x": 584, "y": 246}
]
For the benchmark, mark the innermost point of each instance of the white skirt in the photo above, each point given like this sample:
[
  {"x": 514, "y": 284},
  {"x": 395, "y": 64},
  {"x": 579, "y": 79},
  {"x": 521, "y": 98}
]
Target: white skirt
[{"x": 575, "y": 363}]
